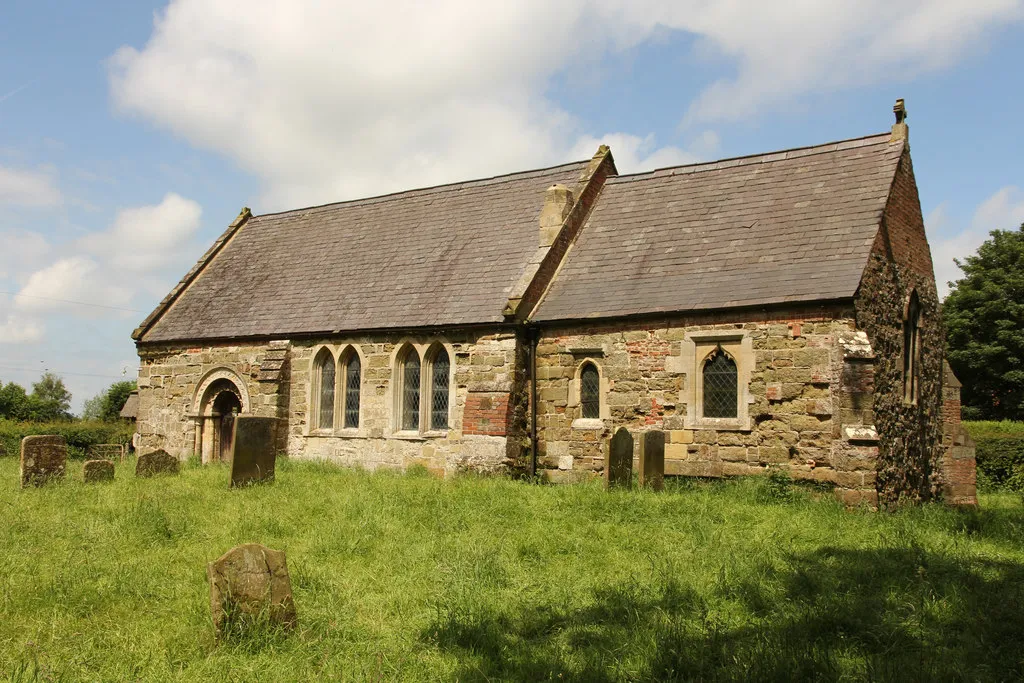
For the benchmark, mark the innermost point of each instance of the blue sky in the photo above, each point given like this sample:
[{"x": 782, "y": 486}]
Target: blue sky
[{"x": 132, "y": 132}]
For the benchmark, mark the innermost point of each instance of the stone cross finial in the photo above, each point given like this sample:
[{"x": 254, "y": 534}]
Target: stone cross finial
[{"x": 899, "y": 129}]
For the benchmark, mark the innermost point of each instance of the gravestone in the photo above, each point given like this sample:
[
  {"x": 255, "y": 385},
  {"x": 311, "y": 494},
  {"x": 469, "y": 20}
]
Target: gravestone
[
  {"x": 156, "y": 462},
  {"x": 618, "y": 469},
  {"x": 98, "y": 470},
  {"x": 249, "y": 584},
  {"x": 652, "y": 460},
  {"x": 253, "y": 450},
  {"x": 42, "y": 459},
  {"x": 105, "y": 451}
]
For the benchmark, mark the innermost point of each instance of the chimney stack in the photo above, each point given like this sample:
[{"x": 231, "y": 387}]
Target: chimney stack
[
  {"x": 899, "y": 129},
  {"x": 558, "y": 202}
]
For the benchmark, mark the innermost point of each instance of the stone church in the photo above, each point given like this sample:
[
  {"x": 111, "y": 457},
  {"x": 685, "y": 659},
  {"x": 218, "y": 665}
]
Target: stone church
[{"x": 769, "y": 310}]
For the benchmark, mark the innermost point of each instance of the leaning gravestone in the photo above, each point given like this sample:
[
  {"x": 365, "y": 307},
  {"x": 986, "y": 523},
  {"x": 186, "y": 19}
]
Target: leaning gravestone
[
  {"x": 253, "y": 450},
  {"x": 157, "y": 462},
  {"x": 250, "y": 584},
  {"x": 42, "y": 458},
  {"x": 619, "y": 466},
  {"x": 652, "y": 460},
  {"x": 98, "y": 470}
]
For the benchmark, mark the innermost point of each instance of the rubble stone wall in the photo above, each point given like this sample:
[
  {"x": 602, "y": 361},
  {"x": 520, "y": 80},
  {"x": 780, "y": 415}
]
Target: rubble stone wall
[{"x": 808, "y": 397}]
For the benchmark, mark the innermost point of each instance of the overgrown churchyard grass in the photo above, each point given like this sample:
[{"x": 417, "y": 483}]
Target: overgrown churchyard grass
[{"x": 411, "y": 578}]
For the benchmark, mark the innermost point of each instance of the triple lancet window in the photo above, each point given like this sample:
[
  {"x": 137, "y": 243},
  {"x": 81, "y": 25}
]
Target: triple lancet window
[
  {"x": 425, "y": 389},
  {"x": 336, "y": 403}
]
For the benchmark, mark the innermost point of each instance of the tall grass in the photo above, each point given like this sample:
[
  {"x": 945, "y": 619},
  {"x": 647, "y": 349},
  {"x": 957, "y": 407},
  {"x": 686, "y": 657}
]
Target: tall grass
[{"x": 411, "y": 578}]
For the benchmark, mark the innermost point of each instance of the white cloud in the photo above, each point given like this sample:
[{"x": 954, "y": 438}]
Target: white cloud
[
  {"x": 1004, "y": 210},
  {"x": 785, "y": 49},
  {"x": 28, "y": 188},
  {"x": 147, "y": 238},
  {"x": 324, "y": 101},
  {"x": 61, "y": 286},
  {"x": 100, "y": 274},
  {"x": 17, "y": 329}
]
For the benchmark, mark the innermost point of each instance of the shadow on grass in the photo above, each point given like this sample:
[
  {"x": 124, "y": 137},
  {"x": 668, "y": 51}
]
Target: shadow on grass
[{"x": 891, "y": 614}]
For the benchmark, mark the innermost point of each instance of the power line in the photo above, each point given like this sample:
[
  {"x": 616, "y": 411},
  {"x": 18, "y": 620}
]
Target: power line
[
  {"x": 60, "y": 372},
  {"x": 77, "y": 303}
]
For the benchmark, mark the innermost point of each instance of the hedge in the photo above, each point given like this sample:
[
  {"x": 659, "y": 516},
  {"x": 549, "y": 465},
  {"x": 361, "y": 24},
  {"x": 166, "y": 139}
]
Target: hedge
[
  {"x": 1000, "y": 453},
  {"x": 79, "y": 435}
]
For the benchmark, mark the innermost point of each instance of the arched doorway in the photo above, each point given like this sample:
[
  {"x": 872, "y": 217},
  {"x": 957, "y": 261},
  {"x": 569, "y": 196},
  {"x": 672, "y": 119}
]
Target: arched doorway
[
  {"x": 225, "y": 407},
  {"x": 220, "y": 398}
]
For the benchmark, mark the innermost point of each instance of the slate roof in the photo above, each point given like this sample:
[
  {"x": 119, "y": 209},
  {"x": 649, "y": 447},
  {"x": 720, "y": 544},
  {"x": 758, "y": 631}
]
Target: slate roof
[
  {"x": 438, "y": 256},
  {"x": 784, "y": 227}
]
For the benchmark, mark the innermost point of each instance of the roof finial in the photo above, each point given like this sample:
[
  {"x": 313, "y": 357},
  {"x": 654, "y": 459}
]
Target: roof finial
[
  {"x": 899, "y": 129},
  {"x": 900, "y": 109}
]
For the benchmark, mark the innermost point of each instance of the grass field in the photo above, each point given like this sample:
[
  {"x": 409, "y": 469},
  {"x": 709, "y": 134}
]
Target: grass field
[{"x": 411, "y": 578}]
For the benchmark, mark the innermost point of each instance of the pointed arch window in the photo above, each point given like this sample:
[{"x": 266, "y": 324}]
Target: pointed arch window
[
  {"x": 324, "y": 371},
  {"x": 590, "y": 391},
  {"x": 912, "y": 349},
  {"x": 409, "y": 410},
  {"x": 352, "y": 374},
  {"x": 720, "y": 385},
  {"x": 440, "y": 371}
]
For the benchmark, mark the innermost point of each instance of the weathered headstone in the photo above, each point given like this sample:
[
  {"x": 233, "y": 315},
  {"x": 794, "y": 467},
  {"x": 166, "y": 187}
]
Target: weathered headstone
[
  {"x": 250, "y": 584},
  {"x": 105, "y": 451},
  {"x": 652, "y": 460},
  {"x": 156, "y": 462},
  {"x": 253, "y": 450},
  {"x": 42, "y": 459},
  {"x": 618, "y": 469},
  {"x": 98, "y": 470}
]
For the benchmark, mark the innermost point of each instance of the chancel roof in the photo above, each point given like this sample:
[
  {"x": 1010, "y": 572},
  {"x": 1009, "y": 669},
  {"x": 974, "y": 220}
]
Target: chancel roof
[{"x": 791, "y": 226}]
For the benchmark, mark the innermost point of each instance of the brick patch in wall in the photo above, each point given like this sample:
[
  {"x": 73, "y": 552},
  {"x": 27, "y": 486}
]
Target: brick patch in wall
[{"x": 486, "y": 413}]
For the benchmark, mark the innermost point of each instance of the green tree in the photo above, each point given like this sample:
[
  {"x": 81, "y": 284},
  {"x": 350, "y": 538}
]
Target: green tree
[
  {"x": 93, "y": 408},
  {"x": 984, "y": 316},
  {"x": 14, "y": 402},
  {"x": 50, "y": 399},
  {"x": 107, "y": 404}
]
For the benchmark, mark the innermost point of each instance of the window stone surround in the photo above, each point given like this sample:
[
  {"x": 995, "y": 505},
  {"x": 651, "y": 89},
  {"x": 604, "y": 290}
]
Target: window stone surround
[
  {"x": 693, "y": 350},
  {"x": 574, "y": 400}
]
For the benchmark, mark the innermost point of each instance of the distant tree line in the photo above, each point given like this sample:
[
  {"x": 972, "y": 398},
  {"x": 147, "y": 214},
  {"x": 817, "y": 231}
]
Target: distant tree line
[{"x": 50, "y": 401}]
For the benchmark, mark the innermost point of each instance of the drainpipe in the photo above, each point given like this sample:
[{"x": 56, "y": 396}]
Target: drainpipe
[{"x": 533, "y": 334}]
